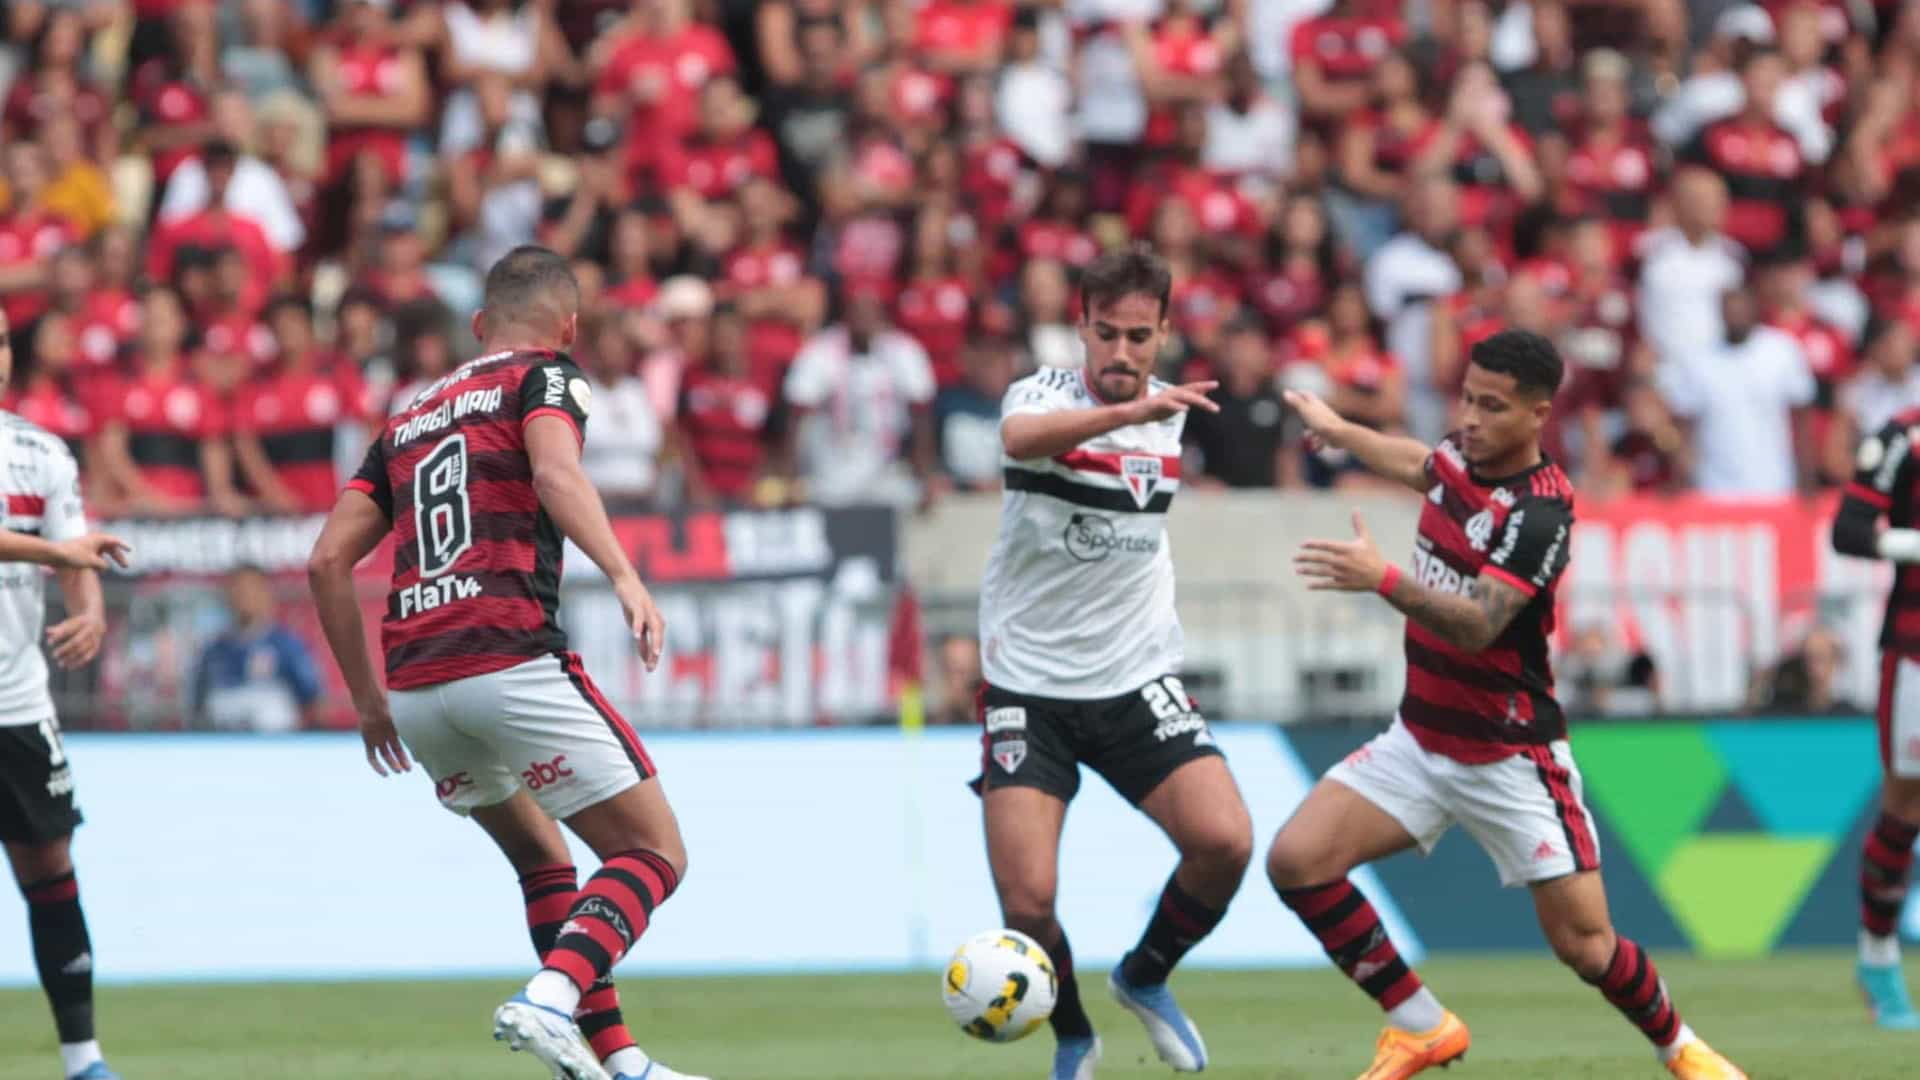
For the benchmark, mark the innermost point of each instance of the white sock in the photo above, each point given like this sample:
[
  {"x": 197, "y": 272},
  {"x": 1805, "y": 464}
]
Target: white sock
[
  {"x": 1421, "y": 1012},
  {"x": 1878, "y": 951},
  {"x": 1680, "y": 1039},
  {"x": 554, "y": 991},
  {"x": 629, "y": 1062},
  {"x": 77, "y": 1056}
]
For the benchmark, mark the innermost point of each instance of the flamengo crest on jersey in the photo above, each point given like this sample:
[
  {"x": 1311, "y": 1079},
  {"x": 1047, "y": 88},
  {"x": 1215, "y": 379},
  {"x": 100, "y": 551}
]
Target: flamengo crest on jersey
[
  {"x": 39, "y": 496},
  {"x": 1077, "y": 602}
]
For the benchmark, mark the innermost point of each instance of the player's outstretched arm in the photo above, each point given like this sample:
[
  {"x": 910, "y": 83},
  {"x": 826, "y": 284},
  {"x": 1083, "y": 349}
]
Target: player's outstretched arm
[
  {"x": 1879, "y": 468},
  {"x": 1392, "y": 456},
  {"x": 553, "y": 447},
  {"x": 352, "y": 531},
  {"x": 1469, "y": 623},
  {"x": 94, "y": 551},
  {"x": 1030, "y": 436}
]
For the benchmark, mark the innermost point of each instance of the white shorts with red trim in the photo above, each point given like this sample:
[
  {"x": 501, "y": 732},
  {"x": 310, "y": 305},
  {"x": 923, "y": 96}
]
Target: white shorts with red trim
[
  {"x": 541, "y": 725},
  {"x": 1527, "y": 812},
  {"x": 1899, "y": 715}
]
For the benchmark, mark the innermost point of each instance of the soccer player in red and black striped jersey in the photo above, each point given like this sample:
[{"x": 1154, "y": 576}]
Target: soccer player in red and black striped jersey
[
  {"x": 479, "y": 480},
  {"x": 1886, "y": 482},
  {"x": 1479, "y": 739}
]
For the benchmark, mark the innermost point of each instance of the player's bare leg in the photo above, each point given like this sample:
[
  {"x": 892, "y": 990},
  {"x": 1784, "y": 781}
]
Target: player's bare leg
[
  {"x": 642, "y": 861},
  {"x": 1573, "y": 915},
  {"x": 1886, "y": 864},
  {"x": 1023, "y": 851},
  {"x": 62, "y": 951},
  {"x": 1200, "y": 808},
  {"x": 1334, "y": 830}
]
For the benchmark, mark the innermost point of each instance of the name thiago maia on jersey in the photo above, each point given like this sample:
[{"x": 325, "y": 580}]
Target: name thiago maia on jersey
[
  {"x": 1091, "y": 538},
  {"x": 470, "y": 401}
]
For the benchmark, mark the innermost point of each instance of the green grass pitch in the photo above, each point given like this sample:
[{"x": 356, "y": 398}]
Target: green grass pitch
[{"x": 1792, "y": 1017}]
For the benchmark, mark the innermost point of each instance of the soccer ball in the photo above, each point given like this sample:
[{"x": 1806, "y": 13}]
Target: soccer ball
[{"x": 1000, "y": 986}]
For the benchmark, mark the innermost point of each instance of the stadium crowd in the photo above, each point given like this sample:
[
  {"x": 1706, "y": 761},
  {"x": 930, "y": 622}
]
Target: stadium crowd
[{"x": 819, "y": 237}]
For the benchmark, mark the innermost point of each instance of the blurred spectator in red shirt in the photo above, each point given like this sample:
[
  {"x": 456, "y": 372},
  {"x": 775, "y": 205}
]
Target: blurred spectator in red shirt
[
  {"x": 175, "y": 90},
  {"x": 162, "y": 443},
  {"x": 503, "y": 48},
  {"x": 1652, "y": 455},
  {"x": 727, "y": 421},
  {"x": 780, "y": 29},
  {"x": 287, "y": 420},
  {"x": 214, "y": 227},
  {"x": 961, "y": 36},
  {"x": 936, "y": 304},
  {"x": 375, "y": 94},
  {"x": 719, "y": 158},
  {"x": 767, "y": 281},
  {"x": 105, "y": 316},
  {"x": 30, "y": 234},
  {"x": 1181, "y": 61},
  {"x": 1611, "y": 168},
  {"x": 1299, "y": 268},
  {"x": 42, "y": 390},
  {"x": 1368, "y": 384},
  {"x": 1486, "y": 154},
  {"x": 1335, "y": 54},
  {"x": 54, "y": 84},
  {"x": 1375, "y": 150},
  {"x": 1886, "y": 385},
  {"x": 649, "y": 74},
  {"x": 230, "y": 324},
  {"x": 1766, "y": 175}
]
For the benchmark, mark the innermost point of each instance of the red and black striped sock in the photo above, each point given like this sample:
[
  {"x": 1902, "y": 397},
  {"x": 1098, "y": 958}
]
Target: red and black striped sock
[
  {"x": 550, "y": 893},
  {"x": 1885, "y": 862},
  {"x": 63, "y": 953},
  {"x": 1633, "y": 985},
  {"x": 1178, "y": 924},
  {"x": 609, "y": 915},
  {"x": 1350, "y": 930}
]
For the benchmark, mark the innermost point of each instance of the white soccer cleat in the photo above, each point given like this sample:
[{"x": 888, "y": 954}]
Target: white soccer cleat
[
  {"x": 549, "y": 1035},
  {"x": 1174, "y": 1037},
  {"x": 656, "y": 1071}
]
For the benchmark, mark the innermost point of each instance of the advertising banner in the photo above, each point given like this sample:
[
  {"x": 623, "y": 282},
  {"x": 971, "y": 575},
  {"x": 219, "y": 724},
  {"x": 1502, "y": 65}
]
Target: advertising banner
[{"x": 775, "y": 618}]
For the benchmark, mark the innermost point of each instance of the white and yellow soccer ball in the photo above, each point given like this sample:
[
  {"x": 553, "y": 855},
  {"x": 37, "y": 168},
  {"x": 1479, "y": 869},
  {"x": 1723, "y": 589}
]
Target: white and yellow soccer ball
[{"x": 1000, "y": 986}]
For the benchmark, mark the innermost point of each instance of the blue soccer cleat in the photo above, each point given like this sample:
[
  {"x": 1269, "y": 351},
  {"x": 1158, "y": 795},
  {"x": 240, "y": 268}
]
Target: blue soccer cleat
[
  {"x": 1174, "y": 1037},
  {"x": 656, "y": 1071},
  {"x": 1886, "y": 988},
  {"x": 1074, "y": 1059},
  {"x": 547, "y": 1034},
  {"x": 96, "y": 1071}
]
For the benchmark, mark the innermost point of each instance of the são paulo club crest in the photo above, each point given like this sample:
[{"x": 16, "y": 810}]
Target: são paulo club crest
[{"x": 1142, "y": 475}]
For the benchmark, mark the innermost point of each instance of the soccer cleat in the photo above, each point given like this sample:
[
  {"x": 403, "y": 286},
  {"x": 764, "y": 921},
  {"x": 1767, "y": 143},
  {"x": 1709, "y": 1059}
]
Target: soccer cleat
[
  {"x": 547, "y": 1034},
  {"x": 1400, "y": 1054},
  {"x": 96, "y": 1071},
  {"x": 1698, "y": 1061},
  {"x": 1886, "y": 989},
  {"x": 1074, "y": 1059},
  {"x": 1174, "y": 1037}
]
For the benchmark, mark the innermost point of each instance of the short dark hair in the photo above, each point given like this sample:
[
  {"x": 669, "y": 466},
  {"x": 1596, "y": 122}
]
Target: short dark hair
[
  {"x": 1137, "y": 270},
  {"x": 1532, "y": 360},
  {"x": 531, "y": 284}
]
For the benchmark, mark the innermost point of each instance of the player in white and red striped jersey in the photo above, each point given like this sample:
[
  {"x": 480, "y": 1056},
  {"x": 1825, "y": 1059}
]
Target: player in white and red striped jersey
[
  {"x": 479, "y": 480},
  {"x": 1081, "y": 652},
  {"x": 1479, "y": 739}
]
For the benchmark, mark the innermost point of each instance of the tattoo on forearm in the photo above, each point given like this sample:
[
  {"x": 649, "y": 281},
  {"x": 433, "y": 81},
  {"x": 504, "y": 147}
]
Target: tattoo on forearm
[{"x": 1470, "y": 622}]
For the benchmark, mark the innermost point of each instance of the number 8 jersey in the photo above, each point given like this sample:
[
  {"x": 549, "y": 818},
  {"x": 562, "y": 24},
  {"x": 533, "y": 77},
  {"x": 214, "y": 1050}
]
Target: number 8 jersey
[{"x": 476, "y": 561}]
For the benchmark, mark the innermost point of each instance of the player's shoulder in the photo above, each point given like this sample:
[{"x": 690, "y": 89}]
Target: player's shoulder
[
  {"x": 1056, "y": 386},
  {"x": 1546, "y": 490},
  {"x": 29, "y": 436}
]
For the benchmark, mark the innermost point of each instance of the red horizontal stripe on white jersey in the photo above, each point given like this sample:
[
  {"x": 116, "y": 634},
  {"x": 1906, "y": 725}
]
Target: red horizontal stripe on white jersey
[
  {"x": 26, "y": 505},
  {"x": 1102, "y": 461}
]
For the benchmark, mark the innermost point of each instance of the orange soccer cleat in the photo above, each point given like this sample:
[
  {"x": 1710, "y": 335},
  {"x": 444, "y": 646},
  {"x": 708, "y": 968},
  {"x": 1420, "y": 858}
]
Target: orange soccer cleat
[
  {"x": 1401, "y": 1054},
  {"x": 1698, "y": 1061}
]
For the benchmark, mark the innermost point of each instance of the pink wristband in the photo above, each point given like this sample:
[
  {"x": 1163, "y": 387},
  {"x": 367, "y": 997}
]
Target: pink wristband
[{"x": 1387, "y": 581}]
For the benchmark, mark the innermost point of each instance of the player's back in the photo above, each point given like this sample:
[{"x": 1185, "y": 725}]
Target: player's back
[{"x": 476, "y": 560}]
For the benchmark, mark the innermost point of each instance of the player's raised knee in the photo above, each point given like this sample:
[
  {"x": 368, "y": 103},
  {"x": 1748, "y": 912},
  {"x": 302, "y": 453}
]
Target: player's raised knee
[
  {"x": 1028, "y": 910},
  {"x": 1225, "y": 849}
]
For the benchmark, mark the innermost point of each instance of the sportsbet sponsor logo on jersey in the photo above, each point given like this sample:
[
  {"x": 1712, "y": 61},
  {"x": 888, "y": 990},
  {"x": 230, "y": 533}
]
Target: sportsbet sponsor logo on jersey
[{"x": 1091, "y": 538}]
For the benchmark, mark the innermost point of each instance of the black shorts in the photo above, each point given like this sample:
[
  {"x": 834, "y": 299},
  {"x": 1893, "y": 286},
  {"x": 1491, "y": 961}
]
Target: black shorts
[
  {"x": 1134, "y": 741},
  {"x": 36, "y": 785}
]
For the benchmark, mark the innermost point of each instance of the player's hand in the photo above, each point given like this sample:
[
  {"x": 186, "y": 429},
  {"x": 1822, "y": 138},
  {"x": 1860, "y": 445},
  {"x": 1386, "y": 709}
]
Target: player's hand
[
  {"x": 383, "y": 742},
  {"x": 649, "y": 628},
  {"x": 76, "y": 641},
  {"x": 1342, "y": 565},
  {"x": 94, "y": 551},
  {"x": 1175, "y": 400},
  {"x": 1319, "y": 416}
]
